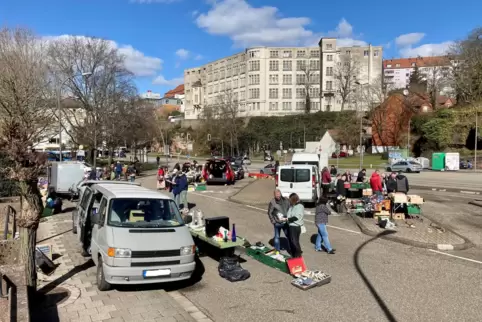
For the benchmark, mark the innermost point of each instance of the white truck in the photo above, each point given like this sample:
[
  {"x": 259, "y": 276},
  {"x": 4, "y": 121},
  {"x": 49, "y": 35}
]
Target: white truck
[
  {"x": 302, "y": 179},
  {"x": 319, "y": 160}
]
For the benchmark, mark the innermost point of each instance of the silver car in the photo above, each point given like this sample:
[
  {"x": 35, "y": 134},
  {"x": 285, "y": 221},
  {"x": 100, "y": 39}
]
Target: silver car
[{"x": 405, "y": 166}]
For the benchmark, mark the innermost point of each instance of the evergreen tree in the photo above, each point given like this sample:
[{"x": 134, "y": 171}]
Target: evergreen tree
[{"x": 416, "y": 82}]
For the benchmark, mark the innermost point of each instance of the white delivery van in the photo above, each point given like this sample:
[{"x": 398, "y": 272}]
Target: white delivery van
[
  {"x": 302, "y": 179},
  {"x": 135, "y": 235},
  {"x": 319, "y": 160}
]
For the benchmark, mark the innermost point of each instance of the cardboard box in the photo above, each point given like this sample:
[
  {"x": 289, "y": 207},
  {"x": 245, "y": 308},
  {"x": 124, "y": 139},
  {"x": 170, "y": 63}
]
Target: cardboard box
[
  {"x": 416, "y": 200},
  {"x": 367, "y": 192},
  {"x": 398, "y": 216},
  {"x": 383, "y": 205},
  {"x": 399, "y": 198},
  {"x": 379, "y": 218}
]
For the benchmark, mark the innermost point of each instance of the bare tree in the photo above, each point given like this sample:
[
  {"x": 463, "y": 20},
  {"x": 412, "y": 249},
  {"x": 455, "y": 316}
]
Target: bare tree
[
  {"x": 25, "y": 112},
  {"x": 309, "y": 78},
  {"x": 346, "y": 74},
  {"x": 467, "y": 74},
  {"x": 108, "y": 83}
]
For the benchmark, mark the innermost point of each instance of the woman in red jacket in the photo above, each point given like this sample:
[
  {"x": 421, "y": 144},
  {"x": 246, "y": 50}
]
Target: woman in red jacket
[
  {"x": 376, "y": 183},
  {"x": 325, "y": 181}
]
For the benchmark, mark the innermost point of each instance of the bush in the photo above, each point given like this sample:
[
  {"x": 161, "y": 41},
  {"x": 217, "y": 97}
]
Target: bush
[{"x": 8, "y": 188}]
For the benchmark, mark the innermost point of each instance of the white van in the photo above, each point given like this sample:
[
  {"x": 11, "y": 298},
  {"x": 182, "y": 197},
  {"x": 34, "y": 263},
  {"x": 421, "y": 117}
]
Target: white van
[
  {"x": 320, "y": 160},
  {"x": 135, "y": 235},
  {"x": 302, "y": 179}
]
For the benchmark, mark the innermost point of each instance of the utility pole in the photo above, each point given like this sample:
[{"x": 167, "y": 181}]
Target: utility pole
[
  {"x": 304, "y": 136},
  {"x": 476, "y": 139},
  {"x": 408, "y": 137}
]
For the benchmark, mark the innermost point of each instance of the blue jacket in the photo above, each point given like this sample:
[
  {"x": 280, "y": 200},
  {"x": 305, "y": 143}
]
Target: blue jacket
[{"x": 181, "y": 184}]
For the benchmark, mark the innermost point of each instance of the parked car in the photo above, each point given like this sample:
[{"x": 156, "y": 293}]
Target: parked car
[
  {"x": 238, "y": 171},
  {"x": 268, "y": 169},
  {"x": 342, "y": 154},
  {"x": 246, "y": 161},
  {"x": 405, "y": 166},
  {"x": 218, "y": 171}
]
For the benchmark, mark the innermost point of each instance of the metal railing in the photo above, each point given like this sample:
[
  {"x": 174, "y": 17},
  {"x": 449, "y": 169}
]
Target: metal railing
[{"x": 11, "y": 212}]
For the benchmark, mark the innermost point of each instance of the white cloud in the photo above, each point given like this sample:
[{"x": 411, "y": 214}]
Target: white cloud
[
  {"x": 253, "y": 26},
  {"x": 427, "y": 50},
  {"x": 135, "y": 61},
  {"x": 182, "y": 53},
  {"x": 198, "y": 57},
  {"x": 409, "y": 39},
  {"x": 161, "y": 80}
]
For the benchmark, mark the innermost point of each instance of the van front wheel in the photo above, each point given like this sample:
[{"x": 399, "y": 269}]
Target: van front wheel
[{"x": 102, "y": 285}]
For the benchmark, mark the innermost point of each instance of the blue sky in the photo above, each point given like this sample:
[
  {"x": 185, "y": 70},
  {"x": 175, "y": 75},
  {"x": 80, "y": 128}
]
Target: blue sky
[{"x": 162, "y": 37}]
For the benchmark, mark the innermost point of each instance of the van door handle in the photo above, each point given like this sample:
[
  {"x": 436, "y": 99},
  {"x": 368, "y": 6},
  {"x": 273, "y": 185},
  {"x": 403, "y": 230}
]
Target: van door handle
[{"x": 291, "y": 185}]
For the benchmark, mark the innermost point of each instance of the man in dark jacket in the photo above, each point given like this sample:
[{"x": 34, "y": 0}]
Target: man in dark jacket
[
  {"x": 179, "y": 190},
  {"x": 402, "y": 183},
  {"x": 392, "y": 183},
  {"x": 361, "y": 175},
  {"x": 277, "y": 211}
]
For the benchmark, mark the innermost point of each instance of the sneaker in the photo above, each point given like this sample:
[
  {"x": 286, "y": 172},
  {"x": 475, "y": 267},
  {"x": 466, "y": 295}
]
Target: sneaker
[
  {"x": 318, "y": 250},
  {"x": 332, "y": 252}
]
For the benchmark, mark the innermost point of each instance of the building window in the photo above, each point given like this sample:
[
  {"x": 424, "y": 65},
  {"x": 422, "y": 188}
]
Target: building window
[
  {"x": 300, "y": 65},
  {"x": 366, "y": 53},
  {"x": 287, "y": 93},
  {"x": 286, "y": 106},
  {"x": 300, "y": 79},
  {"x": 300, "y": 93},
  {"x": 375, "y": 53},
  {"x": 314, "y": 78},
  {"x": 329, "y": 85},
  {"x": 287, "y": 79},
  {"x": 300, "y": 53},
  {"x": 273, "y": 79},
  {"x": 329, "y": 57},
  {"x": 273, "y": 54},
  {"x": 287, "y": 54},
  {"x": 273, "y": 65},
  {"x": 273, "y": 93},
  {"x": 314, "y": 92},
  {"x": 314, "y": 64},
  {"x": 300, "y": 106},
  {"x": 397, "y": 65},
  {"x": 273, "y": 106},
  {"x": 315, "y": 53},
  {"x": 254, "y": 93},
  {"x": 254, "y": 65},
  {"x": 235, "y": 83},
  {"x": 348, "y": 52},
  {"x": 329, "y": 46},
  {"x": 287, "y": 65},
  {"x": 253, "y": 54},
  {"x": 389, "y": 66},
  {"x": 243, "y": 95},
  {"x": 329, "y": 71},
  {"x": 414, "y": 64},
  {"x": 253, "y": 79}
]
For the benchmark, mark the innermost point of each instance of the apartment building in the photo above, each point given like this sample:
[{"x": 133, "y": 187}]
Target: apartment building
[
  {"x": 275, "y": 81},
  {"x": 435, "y": 70}
]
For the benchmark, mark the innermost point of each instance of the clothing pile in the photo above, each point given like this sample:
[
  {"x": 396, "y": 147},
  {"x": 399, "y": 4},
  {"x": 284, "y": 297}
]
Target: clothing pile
[{"x": 230, "y": 269}]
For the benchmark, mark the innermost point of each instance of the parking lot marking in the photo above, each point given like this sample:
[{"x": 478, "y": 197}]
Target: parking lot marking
[
  {"x": 455, "y": 256},
  {"x": 253, "y": 207},
  {"x": 198, "y": 194}
]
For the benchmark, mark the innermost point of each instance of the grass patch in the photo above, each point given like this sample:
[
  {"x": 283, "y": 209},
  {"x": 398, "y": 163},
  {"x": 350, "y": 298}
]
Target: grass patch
[{"x": 369, "y": 161}]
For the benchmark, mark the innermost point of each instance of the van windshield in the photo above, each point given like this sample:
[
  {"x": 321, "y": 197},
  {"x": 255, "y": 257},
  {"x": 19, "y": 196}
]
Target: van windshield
[{"x": 144, "y": 213}]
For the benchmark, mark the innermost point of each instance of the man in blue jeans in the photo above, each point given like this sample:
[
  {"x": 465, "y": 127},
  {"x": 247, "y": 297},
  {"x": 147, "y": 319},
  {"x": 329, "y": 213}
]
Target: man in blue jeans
[
  {"x": 277, "y": 210},
  {"x": 321, "y": 220}
]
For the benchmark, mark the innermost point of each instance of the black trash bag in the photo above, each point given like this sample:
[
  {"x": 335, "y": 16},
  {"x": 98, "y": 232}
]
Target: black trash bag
[{"x": 230, "y": 269}]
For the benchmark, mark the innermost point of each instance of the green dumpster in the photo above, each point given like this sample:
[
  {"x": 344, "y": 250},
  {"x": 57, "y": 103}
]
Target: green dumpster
[{"x": 438, "y": 161}]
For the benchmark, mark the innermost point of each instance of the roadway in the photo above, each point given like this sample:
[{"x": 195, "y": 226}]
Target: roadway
[{"x": 373, "y": 279}]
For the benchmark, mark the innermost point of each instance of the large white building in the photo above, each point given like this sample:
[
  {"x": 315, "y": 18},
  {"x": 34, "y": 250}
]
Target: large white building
[
  {"x": 274, "y": 81},
  {"x": 435, "y": 70}
]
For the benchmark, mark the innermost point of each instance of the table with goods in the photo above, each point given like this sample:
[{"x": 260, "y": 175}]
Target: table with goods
[{"x": 214, "y": 231}]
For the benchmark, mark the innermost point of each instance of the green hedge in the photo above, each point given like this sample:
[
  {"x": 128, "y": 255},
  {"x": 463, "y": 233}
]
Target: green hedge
[{"x": 8, "y": 188}]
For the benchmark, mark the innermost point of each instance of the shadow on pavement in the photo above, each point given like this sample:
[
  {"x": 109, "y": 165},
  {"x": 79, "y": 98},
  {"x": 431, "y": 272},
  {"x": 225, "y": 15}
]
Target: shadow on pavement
[
  {"x": 53, "y": 236},
  {"x": 77, "y": 269},
  {"x": 283, "y": 241},
  {"x": 371, "y": 288}
]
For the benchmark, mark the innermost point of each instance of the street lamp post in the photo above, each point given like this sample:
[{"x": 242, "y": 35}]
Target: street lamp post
[
  {"x": 59, "y": 108},
  {"x": 360, "y": 87},
  {"x": 476, "y": 139}
]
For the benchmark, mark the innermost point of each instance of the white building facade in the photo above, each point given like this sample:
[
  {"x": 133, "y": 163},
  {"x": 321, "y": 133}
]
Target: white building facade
[{"x": 275, "y": 81}]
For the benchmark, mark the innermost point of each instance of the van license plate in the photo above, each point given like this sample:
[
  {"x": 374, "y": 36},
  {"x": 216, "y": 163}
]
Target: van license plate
[{"x": 157, "y": 272}]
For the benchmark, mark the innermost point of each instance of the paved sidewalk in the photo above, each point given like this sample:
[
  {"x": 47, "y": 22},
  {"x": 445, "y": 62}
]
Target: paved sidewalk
[
  {"x": 75, "y": 276},
  {"x": 257, "y": 193}
]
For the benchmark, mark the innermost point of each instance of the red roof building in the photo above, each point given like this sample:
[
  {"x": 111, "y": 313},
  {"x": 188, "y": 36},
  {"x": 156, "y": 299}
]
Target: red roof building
[{"x": 179, "y": 90}]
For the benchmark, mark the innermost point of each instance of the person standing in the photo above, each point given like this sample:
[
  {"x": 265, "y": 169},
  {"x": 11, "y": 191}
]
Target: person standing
[
  {"x": 325, "y": 181},
  {"x": 392, "y": 183},
  {"x": 348, "y": 176},
  {"x": 321, "y": 220},
  {"x": 376, "y": 183},
  {"x": 118, "y": 170},
  {"x": 362, "y": 175},
  {"x": 401, "y": 183},
  {"x": 295, "y": 217},
  {"x": 179, "y": 184},
  {"x": 158, "y": 159},
  {"x": 333, "y": 171},
  {"x": 277, "y": 212}
]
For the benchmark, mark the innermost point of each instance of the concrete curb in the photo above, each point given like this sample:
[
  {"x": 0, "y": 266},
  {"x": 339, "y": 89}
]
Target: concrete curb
[
  {"x": 468, "y": 192},
  {"x": 466, "y": 245}
]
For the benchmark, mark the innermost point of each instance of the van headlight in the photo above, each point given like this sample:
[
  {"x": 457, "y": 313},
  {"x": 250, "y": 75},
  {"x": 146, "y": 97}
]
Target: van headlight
[
  {"x": 119, "y": 252},
  {"x": 188, "y": 250}
]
